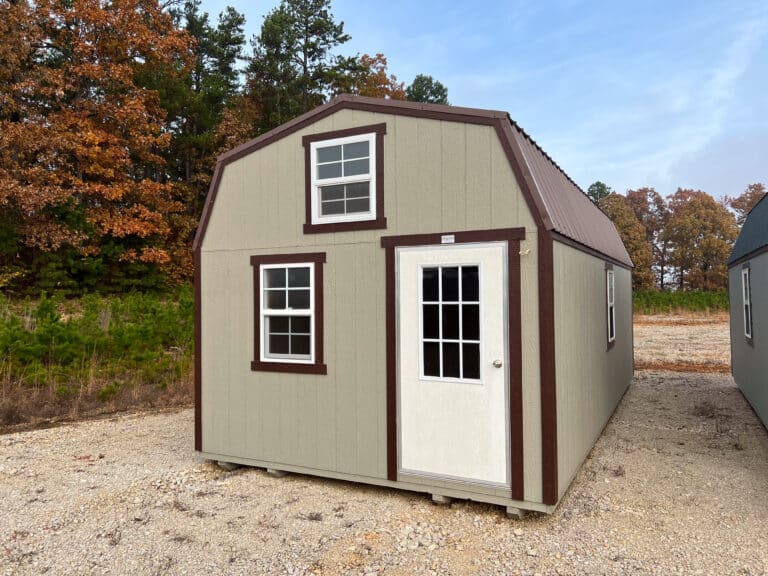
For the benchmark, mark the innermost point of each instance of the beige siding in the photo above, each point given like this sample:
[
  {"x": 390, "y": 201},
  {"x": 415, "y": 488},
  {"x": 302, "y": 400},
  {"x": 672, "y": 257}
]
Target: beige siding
[
  {"x": 750, "y": 363},
  {"x": 439, "y": 177},
  {"x": 590, "y": 378}
]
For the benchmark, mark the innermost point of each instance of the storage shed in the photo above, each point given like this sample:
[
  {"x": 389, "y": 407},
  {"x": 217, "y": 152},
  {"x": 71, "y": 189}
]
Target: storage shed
[
  {"x": 748, "y": 288},
  {"x": 408, "y": 295}
]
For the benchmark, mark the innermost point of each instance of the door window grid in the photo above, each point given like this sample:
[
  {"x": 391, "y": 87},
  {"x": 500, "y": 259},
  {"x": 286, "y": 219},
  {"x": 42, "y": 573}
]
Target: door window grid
[
  {"x": 287, "y": 312},
  {"x": 450, "y": 322}
]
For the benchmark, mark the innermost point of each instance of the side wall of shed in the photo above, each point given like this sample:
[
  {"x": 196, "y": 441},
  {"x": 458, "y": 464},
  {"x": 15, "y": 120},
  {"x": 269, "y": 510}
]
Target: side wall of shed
[
  {"x": 591, "y": 379},
  {"x": 439, "y": 176},
  {"x": 750, "y": 362}
]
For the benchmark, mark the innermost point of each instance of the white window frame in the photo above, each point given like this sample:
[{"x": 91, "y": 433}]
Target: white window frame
[
  {"x": 316, "y": 182},
  {"x": 746, "y": 295},
  {"x": 440, "y": 340},
  {"x": 264, "y": 312},
  {"x": 610, "y": 295}
]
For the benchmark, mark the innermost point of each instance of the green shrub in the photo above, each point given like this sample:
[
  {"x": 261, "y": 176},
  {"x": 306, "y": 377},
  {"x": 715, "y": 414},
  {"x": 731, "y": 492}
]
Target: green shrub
[
  {"x": 656, "y": 302},
  {"x": 63, "y": 345}
]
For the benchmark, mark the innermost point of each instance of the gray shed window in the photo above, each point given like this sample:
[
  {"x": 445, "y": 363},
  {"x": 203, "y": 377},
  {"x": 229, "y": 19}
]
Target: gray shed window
[
  {"x": 746, "y": 291},
  {"x": 610, "y": 304}
]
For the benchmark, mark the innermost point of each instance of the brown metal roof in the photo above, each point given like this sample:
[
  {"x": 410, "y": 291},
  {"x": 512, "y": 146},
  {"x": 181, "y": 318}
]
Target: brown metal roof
[
  {"x": 557, "y": 203},
  {"x": 570, "y": 210}
]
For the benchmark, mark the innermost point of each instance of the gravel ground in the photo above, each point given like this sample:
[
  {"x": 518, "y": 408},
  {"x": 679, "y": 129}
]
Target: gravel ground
[{"x": 677, "y": 484}]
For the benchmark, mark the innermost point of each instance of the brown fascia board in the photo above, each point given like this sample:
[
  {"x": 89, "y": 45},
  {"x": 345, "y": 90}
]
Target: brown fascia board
[
  {"x": 500, "y": 120},
  {"x": 568, "y": 241}
]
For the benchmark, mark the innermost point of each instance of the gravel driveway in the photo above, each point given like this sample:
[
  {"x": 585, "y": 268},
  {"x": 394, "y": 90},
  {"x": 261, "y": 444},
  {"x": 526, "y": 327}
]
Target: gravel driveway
[{"x": 677, "y": 484}]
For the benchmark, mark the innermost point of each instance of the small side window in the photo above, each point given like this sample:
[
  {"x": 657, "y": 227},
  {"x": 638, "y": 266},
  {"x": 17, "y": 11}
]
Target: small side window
[
  {"x": 746, "y": 289},
  {"x": 610, "y": 305},
  {"x": 288, "y": 319}
]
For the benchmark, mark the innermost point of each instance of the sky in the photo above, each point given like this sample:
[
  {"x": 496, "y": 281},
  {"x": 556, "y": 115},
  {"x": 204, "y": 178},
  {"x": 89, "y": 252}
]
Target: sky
[{"x": 654, "y": 93}]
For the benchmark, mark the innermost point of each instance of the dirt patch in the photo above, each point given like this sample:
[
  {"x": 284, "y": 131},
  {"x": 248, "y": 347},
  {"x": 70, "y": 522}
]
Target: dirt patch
[
  {"x": 687, "y": 319},
  {"x": 683, "y": 343}
]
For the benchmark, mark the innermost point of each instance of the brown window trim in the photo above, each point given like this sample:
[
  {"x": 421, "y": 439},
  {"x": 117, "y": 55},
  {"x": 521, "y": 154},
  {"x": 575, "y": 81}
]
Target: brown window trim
[
  {"x": 380, "y": 221},
  {"x": 318, "y": 366},
  {"x": 611, "y": 343}
]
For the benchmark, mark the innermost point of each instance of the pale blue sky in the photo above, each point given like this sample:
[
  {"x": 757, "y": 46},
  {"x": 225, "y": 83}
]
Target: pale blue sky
[{"x": 653, "y": 93}]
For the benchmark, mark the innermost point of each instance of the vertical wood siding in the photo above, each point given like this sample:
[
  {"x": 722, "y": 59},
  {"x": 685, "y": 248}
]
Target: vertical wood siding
[
  {"x": 439, "y": 176},
  {"x": 750, "y": 363},
  {"x": 590, "y": 378}
]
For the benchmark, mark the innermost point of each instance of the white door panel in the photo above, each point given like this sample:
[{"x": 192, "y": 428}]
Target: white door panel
[{"x": 453, "y": 403}]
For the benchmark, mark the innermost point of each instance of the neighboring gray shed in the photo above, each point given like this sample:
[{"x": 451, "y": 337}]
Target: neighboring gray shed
[
  {"x": 748, "y": 288},
  {"x": 408, "y": 295}
]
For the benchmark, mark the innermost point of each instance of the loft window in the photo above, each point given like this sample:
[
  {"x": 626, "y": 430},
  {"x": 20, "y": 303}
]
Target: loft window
[
  {"x": 610, "y": 296},
  {"x": 746, "y": 290},
  {"x": 344, "y": 179},
  {"x": 343, "y": 183},
  {"x": 288, "y": 319}
]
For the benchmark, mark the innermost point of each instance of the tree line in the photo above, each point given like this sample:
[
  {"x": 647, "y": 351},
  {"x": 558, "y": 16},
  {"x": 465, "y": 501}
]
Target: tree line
[
  {"x": 112, "y": 114},
  {"x": 681, "y": 242}
]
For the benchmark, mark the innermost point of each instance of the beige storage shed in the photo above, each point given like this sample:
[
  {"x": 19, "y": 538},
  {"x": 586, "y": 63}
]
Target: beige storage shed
[{"x": 408, "y": 295}]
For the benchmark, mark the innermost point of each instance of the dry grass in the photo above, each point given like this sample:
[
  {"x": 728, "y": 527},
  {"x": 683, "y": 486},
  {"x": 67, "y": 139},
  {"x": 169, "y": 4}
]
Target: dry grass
[
  {"x": 683, "y": 343},
  {"x": 28, "y": 409}
]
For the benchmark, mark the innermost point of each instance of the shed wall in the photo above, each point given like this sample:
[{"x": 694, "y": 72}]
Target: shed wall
[
  {"x": 591, "y": 379},
  {"x": 439, "y": 176},
  {"x": 750, "y": 362}
]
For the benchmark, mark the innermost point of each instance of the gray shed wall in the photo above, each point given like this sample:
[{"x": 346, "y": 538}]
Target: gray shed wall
[
  {"x": 439, "y": 177},
  {"x": 591, "y": 379},
  {"x": 750, "y": 362}
]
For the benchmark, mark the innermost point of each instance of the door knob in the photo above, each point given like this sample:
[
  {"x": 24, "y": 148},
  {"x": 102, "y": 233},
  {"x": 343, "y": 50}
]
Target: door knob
[{"x": 497, "y": 363}]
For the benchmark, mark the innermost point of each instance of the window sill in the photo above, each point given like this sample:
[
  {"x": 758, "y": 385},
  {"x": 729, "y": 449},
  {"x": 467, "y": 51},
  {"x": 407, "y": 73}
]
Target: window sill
[
  {"x": 258, "y": 366},
  {"x": 377, "y": 224}
]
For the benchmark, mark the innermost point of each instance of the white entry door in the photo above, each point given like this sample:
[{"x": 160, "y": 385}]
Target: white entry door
[{"x": 453, "y": 403}]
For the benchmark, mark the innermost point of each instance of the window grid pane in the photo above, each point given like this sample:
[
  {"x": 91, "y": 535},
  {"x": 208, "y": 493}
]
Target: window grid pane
[
  {"x": 450, "y": 349},
  {"x": 342, "y": 199},
  {"x": 338, "y": 161}
]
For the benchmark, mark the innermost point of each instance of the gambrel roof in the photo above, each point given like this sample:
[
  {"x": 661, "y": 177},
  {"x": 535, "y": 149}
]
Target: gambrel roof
[
  {"x": 557, "y": 203},
  {"x": 753, "y": 238}
]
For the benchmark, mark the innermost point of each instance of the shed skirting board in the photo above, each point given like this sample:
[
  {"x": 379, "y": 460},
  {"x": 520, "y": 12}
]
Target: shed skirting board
[{"x": 443, "y": 488}]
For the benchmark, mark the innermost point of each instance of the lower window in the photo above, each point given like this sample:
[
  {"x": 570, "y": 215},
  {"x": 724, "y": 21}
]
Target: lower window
[{"x": 288, "y": 319}]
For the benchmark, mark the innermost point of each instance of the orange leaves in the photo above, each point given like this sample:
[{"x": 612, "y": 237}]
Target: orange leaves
[
  {"x": 375, "y": 82},
  {"x": 80, "y": 137},
  {"x": 371, "y": 79}
]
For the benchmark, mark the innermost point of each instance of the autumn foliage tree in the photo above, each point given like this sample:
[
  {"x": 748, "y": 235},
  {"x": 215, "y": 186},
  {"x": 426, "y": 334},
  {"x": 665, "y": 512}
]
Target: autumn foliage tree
[
  {"x": 651, "y": 210},
  {"x": 633, "y": 234},
  {"x": 371, "y": 78},
  {"x": 81, "y": 139},
  {"x": 746, "y": 201},
  {"x": 701, "y": 233}
]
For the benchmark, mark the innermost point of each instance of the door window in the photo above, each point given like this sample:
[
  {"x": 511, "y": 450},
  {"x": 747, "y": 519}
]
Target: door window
[{"x": 450, "y": 322}]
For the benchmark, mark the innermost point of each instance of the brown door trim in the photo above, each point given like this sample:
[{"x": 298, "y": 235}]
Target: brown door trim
[
  {"x": 547, "y": 368},
  {"x": 512, "y": 236}
]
